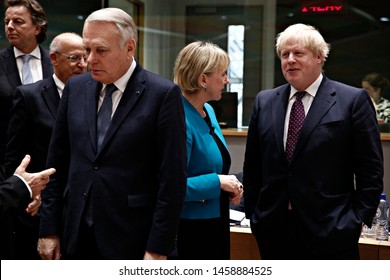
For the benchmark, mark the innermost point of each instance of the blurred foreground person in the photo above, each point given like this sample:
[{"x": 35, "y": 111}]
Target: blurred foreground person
[{"x": 16, "y": 194}]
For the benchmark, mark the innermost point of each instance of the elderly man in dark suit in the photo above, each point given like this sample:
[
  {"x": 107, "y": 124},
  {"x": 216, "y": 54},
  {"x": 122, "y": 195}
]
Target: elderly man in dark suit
[
  {"x": 313, "y": 168},
  {"x": 119, "y": 147},
  {"x": 25, "y": 28},
  {"x": 35, "y": 105},
  {"x": 32, "y": 120}
]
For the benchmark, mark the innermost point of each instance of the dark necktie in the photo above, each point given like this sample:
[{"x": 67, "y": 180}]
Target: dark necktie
[
  {"x": 297, "y": 117},
  {"x": 26, "y": 70},
  {"x": 104, "y": 114},
  {"x": 103, "y": 121}
]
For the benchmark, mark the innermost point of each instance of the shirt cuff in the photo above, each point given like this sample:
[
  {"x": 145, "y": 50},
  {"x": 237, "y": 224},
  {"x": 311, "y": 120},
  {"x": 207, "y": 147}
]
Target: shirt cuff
[{"x": 24, "y": 181}]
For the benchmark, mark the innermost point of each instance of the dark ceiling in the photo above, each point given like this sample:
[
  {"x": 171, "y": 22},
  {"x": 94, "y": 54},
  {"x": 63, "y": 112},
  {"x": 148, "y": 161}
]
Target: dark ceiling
[
  {"x": 358, "y": 16},
  {"x": 360, "y": 42}
]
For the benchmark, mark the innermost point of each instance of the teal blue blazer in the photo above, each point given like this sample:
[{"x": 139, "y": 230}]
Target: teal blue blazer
[{"x": 203, "y": 192}]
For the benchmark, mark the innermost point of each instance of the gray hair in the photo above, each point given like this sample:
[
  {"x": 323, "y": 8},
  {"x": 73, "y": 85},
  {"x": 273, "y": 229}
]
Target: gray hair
[
  {"x": 124, "y": 22},
  {"x": 307, "y": 35}
]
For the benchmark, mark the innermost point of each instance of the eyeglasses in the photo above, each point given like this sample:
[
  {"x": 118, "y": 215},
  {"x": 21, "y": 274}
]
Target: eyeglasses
[{"x": 74, "y": 58}]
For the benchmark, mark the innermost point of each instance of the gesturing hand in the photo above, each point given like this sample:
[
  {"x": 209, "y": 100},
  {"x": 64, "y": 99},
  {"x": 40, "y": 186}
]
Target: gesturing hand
[{"x": 37, "y": 181}]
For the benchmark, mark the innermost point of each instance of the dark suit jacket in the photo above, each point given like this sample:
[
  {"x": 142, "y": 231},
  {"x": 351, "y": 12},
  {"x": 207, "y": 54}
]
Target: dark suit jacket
[
  {"x": 9, "y": 80},
  {"x": 14, "y": 197},
  {"x": 137, "y": 181},
  {"x": 339, "y": 142},
  {"x": 32, "y": 120}
]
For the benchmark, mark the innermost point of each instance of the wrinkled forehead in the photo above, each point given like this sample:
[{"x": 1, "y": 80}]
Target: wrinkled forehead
[{"x": 17, "y": 11}]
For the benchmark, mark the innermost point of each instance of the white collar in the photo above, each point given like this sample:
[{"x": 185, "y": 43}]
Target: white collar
[
  {"x": 311, "y": 90},
  {"x": 35, "y": 53}
]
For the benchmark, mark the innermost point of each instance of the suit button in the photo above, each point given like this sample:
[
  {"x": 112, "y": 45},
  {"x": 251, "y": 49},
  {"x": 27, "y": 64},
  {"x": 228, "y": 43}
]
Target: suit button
[
  {"x": 85, "y": 195},
  {"x": 95, "y": 167}
]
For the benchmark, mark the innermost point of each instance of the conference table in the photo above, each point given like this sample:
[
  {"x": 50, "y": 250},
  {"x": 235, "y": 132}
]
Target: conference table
[{"x": 243, "y": 246}]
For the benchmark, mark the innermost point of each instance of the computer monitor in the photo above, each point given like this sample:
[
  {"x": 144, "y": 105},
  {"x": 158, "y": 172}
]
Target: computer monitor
[{"x": 226, "y": 109}]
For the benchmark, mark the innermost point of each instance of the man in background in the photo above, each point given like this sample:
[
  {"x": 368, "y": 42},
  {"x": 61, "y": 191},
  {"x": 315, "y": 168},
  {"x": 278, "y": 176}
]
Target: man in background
[
  {"x": 25, "y": 28},
  {"x": 32, "y": 119}
]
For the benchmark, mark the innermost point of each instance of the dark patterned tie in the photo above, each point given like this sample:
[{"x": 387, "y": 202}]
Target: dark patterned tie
[
  {"x": 104, "y": 114},
  {"x": 297, "y": 117}
]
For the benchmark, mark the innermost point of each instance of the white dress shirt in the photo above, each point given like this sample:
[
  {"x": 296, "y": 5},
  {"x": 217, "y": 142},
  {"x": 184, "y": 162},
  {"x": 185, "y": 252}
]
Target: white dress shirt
[
  {"x": 307, "y": 100},
  {"x": 121, "y": 84},
  {"x": 35, "y": 63},
  {"x": 60, "y": 85}
]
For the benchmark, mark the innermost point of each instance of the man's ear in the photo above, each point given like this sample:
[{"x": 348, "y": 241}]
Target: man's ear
[
  {"x": 53, "y": 58},
  {"x": 131, "y": 46}
]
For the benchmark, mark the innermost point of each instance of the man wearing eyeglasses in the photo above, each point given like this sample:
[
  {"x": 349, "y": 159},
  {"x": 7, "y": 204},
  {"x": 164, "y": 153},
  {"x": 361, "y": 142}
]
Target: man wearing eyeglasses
[{"x": 32, "y": 120}]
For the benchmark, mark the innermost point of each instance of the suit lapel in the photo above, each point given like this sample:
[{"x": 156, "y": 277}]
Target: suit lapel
[
  {"x": 11, "y": 69},
  {"x": 92, "y": 95},
  {"x": 47, "y": 66},
  {"x": 279, "y": 107},
  {"x": 132, "y": 93},
  {"x": 323, "y": 101},
  {"x": 50, "y": 96}
]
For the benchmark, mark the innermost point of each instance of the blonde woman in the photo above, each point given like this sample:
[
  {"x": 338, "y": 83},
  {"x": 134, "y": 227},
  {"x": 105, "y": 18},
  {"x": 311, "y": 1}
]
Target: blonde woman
[{"x": 200, "y": 71}]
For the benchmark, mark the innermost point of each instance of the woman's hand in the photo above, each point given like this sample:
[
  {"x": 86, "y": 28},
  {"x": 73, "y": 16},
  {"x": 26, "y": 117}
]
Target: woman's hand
[{"x": 233, "y": 186}]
